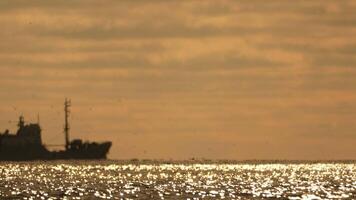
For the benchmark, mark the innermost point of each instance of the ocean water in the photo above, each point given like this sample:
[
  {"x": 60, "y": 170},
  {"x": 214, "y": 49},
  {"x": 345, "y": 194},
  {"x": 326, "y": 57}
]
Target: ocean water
[{"x": 117, "y": 180}]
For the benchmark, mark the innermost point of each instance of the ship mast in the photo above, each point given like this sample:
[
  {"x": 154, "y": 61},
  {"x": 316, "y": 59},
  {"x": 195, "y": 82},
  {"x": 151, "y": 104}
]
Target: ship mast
[{"x": 67, "y": 105}]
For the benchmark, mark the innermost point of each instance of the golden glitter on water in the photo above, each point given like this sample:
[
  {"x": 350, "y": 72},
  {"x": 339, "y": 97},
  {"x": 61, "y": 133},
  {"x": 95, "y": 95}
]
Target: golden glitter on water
[{"x": 110, "y": 180}]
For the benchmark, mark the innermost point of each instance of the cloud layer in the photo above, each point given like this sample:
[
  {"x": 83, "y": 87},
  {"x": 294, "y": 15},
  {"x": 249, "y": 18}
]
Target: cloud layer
[{"x": 173, "y": 79}]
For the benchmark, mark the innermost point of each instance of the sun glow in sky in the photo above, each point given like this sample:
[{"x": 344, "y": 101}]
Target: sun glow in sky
[{"x": 179, "y": 79}]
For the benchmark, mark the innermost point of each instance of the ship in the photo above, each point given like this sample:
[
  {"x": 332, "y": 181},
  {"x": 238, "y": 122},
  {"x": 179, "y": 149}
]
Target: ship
[{"x": 26, "y": 144}]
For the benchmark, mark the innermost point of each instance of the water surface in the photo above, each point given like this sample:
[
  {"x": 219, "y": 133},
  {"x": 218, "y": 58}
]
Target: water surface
[{"x": 115, "y": 180}]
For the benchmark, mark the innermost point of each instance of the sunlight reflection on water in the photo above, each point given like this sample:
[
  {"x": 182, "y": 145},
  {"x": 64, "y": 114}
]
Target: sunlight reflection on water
[{"x": 110, "y": 180}]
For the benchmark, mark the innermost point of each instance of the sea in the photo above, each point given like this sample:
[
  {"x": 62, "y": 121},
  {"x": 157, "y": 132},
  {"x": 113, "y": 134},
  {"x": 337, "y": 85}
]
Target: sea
[{"x": 176, "y": 180}]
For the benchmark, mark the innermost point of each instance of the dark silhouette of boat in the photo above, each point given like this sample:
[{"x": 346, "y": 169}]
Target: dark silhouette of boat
[{"x": 26, "y": 144}]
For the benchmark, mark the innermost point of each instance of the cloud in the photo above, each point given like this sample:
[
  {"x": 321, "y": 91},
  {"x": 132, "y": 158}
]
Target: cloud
[{"x": 203, "y": 74}]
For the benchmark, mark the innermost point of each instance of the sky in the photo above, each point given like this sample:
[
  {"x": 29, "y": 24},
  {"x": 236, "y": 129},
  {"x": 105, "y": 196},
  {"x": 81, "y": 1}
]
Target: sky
[{"x": 181, "y": 79}]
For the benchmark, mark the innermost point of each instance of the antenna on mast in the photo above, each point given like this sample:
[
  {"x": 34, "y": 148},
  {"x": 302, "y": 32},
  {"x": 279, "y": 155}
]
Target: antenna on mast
[{"x": 67, "y": 105}]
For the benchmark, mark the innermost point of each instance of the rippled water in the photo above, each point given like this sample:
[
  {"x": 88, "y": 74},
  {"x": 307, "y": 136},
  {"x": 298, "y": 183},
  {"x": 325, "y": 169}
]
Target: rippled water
[{"x": 111, "y": 180}]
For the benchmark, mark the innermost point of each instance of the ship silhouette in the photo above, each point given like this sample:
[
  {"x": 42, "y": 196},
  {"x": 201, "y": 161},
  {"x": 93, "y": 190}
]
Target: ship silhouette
[{"x": 26, "y": 144}]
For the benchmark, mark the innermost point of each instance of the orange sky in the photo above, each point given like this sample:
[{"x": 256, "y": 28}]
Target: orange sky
[{"x": 181, "y": 79}]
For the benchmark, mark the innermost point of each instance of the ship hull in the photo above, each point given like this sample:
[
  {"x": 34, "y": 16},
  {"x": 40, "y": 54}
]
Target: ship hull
[
  {"x": 24, "y": 153},
  {"x": 29, "y": 153},
  {"x": 93, "y": 151}
]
